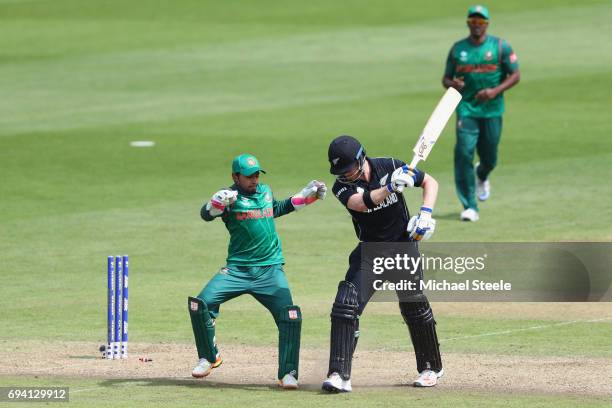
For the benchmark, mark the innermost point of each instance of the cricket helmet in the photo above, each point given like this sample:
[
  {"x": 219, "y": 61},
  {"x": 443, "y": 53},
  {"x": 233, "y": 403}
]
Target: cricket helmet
[{"x": 344, "y": 152}]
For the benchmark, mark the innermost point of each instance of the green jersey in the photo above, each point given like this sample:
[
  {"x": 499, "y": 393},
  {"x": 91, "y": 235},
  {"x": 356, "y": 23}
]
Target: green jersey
[
  {"x": 250, "y": 222},
  {"x": 481, "y": 66}
]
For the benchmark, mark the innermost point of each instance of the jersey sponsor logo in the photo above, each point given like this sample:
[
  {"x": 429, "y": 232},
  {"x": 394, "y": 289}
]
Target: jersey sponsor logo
[
  {"x": 383, "y": 180},
  {"x": 488, "y": 56},
  {"x": 255, "y": 214},
  {"x": 342, "y": 190},
  {"x": 390, "y": 200},
  {"x": 479, "y": 68},
  {"x": 513, "y": 58}
]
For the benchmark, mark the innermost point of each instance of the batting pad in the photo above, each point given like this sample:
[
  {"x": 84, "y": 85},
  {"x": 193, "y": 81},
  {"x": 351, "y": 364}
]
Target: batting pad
[
  {"x": 203, "y": 329},
  {"x": 289, "y": 331},
  {"x": 344, "y": 330},
  {"x": 422, "y": 326}
]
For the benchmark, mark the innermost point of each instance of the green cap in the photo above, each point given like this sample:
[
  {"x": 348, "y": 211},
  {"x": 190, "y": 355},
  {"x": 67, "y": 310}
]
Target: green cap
[
  {"x": 246, "y": 164},
  {"x": 481, "y": 10}
]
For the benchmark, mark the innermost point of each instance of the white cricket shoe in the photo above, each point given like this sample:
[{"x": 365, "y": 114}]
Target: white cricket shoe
[
  {"x": 428, "y": 378},
  {"x": 335, "y": 383},
  {"x": 469, "y": 215},
  {"x": 483, "y": 187},
  {"x": 204, "y": 367},
  {"x": 289, "y": 382}
]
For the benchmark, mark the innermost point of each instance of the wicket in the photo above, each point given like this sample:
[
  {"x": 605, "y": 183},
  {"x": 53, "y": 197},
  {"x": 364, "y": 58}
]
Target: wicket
[{"x": 117, "y": 307}]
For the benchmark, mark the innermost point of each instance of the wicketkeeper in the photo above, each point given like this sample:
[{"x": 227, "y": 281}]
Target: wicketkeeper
[
  {"x": 370, "y": 189},
  {"x": 254, "y": 265}
]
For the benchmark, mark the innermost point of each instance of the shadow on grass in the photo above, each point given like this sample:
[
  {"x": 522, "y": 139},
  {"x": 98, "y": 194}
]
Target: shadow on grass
[
  {"x": 451, "y": 216},
  {"x": 195, "y": 383}
]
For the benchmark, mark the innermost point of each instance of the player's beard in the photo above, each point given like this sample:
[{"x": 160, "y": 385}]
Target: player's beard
[{"x": 353, "y": 179}]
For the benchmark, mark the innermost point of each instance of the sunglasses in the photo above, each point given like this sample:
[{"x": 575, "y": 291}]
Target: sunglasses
[{"x": 477, "y": 21}]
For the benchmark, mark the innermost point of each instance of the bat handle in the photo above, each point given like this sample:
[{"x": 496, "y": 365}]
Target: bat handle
[{"x": 415, "y": 160}]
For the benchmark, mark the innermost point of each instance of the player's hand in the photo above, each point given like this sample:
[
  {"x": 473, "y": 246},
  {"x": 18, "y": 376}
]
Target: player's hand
[
  {"x": 486, "y": 94},
  {"x": 401, "y": 178},
  {"x": 458, "y": 83},
  {"x": 421, "y": 227},
  {"x": 321, "y": 188},
  {"x": 307, "y": 196},
  {"x": 220, "y": 200}
]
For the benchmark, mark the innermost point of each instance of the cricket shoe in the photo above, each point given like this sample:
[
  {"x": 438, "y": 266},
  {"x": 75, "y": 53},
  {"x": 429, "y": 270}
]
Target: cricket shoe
[
  {"x": 288, "y": 382},
  {"x": 469, "y": 214},
  {"x": 204, "y": 367},
  {"x": 428, "y": 378},
  {"x": 335, "y": 383},
  {"x": 483, "y": 187}
]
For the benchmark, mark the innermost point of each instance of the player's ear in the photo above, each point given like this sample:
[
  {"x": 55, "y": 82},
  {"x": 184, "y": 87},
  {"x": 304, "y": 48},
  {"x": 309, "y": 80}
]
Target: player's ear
[{"x": 235, "y": 177}]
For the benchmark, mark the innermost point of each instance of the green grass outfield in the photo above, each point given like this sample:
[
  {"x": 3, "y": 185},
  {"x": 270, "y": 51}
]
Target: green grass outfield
[{"x": 208, "y": 80}]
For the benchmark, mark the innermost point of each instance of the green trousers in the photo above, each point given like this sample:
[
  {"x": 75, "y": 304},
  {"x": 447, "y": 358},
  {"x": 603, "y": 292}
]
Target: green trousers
[
  {"x": 475, "y": 134},
  {"x": 267, "y": 284}
]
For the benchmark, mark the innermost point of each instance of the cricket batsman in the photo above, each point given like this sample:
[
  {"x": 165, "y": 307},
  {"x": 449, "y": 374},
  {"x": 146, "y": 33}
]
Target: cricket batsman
[
  {"x": 481, "y": 67},
  {"x": 371, "y": 190},
  {"x": 254, "y": 265}
]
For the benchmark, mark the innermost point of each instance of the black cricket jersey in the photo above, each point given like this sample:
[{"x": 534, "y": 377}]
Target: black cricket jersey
[{"x": 387, "y": 222}]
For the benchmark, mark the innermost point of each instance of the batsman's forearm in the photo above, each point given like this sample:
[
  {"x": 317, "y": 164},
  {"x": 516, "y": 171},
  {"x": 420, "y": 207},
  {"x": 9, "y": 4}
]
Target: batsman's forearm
[
  {"x": 379, "y": 195},
  {"x": 430, "y": 191}
]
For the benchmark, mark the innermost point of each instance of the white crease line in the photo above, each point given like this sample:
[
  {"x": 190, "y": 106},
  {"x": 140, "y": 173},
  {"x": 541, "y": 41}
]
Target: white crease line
[
  {"x": 526, "y": 329},
  {"x": 83, "y": 390}
]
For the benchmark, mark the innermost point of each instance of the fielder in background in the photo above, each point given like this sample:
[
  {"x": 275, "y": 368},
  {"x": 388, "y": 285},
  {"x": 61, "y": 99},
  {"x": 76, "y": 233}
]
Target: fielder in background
[
  {"x": 254, "y": 265},
  {"x": 481, "y": 67},
  {"x": 370, "y": 189}
]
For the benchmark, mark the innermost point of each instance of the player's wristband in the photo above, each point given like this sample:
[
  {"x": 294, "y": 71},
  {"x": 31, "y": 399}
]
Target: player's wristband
[
  {"x": 429, "y": 210},
  {"x": 367, "y": 200},
  {"x": 390, "y": 187}
]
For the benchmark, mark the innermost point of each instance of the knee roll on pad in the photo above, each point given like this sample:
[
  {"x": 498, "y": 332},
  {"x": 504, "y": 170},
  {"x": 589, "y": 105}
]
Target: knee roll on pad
[
  {"x": 422, "y": 326},
  {"x": 344, "y": 329},
  {"x": 289, "y": 323},
  {"x": 203, "y": 329}
]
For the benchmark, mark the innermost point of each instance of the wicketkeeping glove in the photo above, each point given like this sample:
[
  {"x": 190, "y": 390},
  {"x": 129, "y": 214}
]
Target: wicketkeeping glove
[
  {"x": 401, "y": 178},
  {"x": 220, "y": 200},
  {"x": 421, "y": 227},
  {"x": 312, "y": 192}
]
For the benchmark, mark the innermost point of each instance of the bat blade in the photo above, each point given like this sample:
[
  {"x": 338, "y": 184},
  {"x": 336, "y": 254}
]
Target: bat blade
[{"x": 435, "y": 125}]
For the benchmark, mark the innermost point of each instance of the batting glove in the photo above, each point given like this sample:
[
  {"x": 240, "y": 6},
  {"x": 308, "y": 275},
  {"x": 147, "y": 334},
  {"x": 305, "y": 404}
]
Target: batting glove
[
  {"x": 421, "y": 227},
  {"x": 220, "y": 200},
  {"x": 401, "y": 178}
]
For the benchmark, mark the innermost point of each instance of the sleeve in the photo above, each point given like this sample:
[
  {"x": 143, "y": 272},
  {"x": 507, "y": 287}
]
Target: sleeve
[
  {"x": 282, "y": 207},
  {"x": 343, "y": 192},
  {"x": 509, "y": 60},
  {"x": 449, "y": 71},
  {"x": 420, "y": 175}
]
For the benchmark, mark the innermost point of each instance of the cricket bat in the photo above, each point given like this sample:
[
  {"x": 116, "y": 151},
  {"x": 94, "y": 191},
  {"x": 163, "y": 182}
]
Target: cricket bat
[{"x": 435, "y": 125}]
